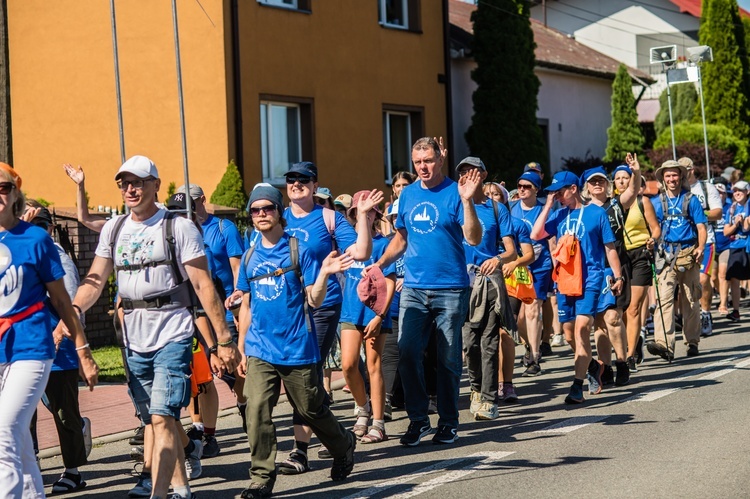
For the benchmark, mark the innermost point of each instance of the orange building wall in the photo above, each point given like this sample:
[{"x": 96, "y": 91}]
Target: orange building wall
[
  {"x": 342, "y": 58},
  {"x": 63, "y": 101}
]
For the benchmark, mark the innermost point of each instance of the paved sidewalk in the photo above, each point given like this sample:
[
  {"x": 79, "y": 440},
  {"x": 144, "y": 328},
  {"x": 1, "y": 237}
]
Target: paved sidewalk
[{"x": 111, "y": 412}]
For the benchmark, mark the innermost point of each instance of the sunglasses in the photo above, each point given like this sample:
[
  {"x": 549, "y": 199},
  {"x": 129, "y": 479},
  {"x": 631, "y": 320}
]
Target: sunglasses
[
  {"x": 302, "y": 180},
  {"x": 321, "y": 201},
  {"x": 522, "y": 187},
  {"x": 136, "y": 184},
  {"x": 6, "y": 187},
  {"x": 269, "y": 208}
]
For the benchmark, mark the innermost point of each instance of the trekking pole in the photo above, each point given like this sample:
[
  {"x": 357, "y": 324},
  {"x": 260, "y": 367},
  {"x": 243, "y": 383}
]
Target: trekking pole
[{"x": 661, "y": 312}]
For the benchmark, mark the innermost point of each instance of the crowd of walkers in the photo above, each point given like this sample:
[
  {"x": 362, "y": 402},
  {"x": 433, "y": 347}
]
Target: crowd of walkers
[{"x": 399, "y": 295}]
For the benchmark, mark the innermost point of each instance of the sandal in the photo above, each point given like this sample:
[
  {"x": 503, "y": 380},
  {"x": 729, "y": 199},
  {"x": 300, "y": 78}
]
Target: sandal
[
  {"x": 723, "y": 311},
  {"x": 374, "y": 436},
  {"x": 359, "y": 430},
  {"x": 295, "y": 464},
  {"x": 68, "y": 482}
]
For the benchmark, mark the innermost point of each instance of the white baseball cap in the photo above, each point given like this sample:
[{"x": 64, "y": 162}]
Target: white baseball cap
[{"x": 140, "y": 166}]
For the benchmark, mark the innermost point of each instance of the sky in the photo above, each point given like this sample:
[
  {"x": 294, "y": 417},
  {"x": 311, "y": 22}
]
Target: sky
[{"x": 745, "y": 4}]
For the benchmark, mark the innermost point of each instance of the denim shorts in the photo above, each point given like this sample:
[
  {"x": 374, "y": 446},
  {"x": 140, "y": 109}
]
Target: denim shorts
[{"x": 160, "y": 380}]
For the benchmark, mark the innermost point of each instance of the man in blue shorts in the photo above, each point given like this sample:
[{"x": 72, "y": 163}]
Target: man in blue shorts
[
  {"x": 435, "y": 214},
  {"x": 590, "y": 228}
]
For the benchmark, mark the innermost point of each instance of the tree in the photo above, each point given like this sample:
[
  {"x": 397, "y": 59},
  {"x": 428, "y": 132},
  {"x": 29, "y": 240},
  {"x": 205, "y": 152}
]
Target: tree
[
  {"x": 229, "y": 191},
  {"x": 504, "y": 131},
  {"x": 625, "y": 134},
  {"x": 684, "y": 99},
  {"x": 726, "y": 80}
]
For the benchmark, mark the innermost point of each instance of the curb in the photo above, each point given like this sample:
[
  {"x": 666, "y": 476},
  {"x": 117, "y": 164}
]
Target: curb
[{"x": 124, "y": 435}]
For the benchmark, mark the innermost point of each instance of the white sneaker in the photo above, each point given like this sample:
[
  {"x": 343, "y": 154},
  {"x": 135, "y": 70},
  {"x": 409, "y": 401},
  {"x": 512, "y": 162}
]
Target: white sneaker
[
  {"x": 87, "y": 435},
  {"x": 193, "y": 461},
  {"x": 706, "y": 324},
  {"x": 558, "y": 340},
  {"x": 476, "y": 402}
]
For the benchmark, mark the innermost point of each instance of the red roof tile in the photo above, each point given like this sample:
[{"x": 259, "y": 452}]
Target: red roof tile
[{"x": 693, "y": 7}]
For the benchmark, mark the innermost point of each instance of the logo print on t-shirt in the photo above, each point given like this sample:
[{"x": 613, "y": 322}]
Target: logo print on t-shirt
[
  {"x": 11, "y": 282},
  {"x": 299, "y": 233},
  {"x": 355, "y": 275},
  {"x": 269, "y": 288},
  {"x": 424, "y": 217}
]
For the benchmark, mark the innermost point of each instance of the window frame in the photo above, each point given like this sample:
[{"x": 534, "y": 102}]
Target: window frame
[
  {"x": 415, "y": 116},
  {"x": 297, "y": 5},
  {"x": 412, "y": 16}
]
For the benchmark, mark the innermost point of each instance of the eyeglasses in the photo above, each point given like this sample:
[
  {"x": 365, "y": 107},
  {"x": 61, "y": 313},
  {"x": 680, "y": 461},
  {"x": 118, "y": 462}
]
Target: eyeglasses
[
  {"x": 597, "y": 180},
  {"x": 302, "y": 180},
  {"x": 269, "y": 208},
  {"x": 136, "y": 184},
  {"x": 6, "y": 187},
  {"x": 522, "y": 187},
  {"x": 463, "y": 172}
]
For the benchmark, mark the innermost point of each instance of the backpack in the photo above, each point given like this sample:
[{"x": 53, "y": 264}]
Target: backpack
[
  {"x": 181, "y": 295},
  {"x": 294, "y": 267},
  {"x": 683, "y": 212},
  {"x": 568, "y": 271}
]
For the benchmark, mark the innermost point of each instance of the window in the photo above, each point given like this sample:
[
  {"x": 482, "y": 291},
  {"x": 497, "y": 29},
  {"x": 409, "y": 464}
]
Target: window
[
  {"x": 303, "y": 5},
  {"x": 402, "y": 126},
  {"x": 285, "y": 135},
  {"x": 401, "y": 14}
]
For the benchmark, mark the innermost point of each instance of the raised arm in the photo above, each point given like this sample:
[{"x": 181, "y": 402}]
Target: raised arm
[
  {"x": 82, "y": 209},
  {"x": 538, "y": 232},
  {"x": 468, "y": 185},
  {"x": 630, "y": 195},
  {"x": 333, "y": 264}
]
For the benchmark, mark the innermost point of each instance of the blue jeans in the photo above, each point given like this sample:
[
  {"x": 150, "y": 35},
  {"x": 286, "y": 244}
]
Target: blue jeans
[
  {"x": 419, "y": 308},
  {"x": 160, "y": 380}
]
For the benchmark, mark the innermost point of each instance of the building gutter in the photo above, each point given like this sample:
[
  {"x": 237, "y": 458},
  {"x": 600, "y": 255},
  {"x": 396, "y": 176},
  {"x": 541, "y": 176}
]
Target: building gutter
[{"x": 237, "y": 83}]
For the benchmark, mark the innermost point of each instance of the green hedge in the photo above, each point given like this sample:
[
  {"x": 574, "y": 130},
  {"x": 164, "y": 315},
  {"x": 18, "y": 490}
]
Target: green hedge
[{"x": 719, "y": 137}]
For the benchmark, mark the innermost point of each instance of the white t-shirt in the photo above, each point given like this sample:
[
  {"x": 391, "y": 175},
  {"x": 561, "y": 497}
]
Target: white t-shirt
[
  {"x": 713, "y": 202},
  {"x": 143, "y": 242}
]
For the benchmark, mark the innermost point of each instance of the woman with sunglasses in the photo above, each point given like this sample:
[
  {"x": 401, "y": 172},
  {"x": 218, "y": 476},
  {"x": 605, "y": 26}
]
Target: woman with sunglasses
[
  {"x": 306, "y": 221},
  {"x": 323, "y": 198},
  {"x": 31, "y": 277}
]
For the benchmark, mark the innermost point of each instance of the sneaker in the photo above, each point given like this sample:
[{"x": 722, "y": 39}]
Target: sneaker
[
  {"x": 241, "y": 409},
  {"x": 594, "y": 376},
  {"x": 194, "y": 433},
  {"x": 445, "y": 435},
  {"x": 487, "y": 411},
  {"x": 343, "y": 465},
  {"x": 608, "y": 376},
  {"x": 576, "y": 395},
  {"x": 639, "y": 349},
  {"x": 526, "y": 359},
  {"x": 432, "y": 407},
  {"x": 734, "y": 316},
  {"x": 692, "y": 350},
  {"x": 545, "y": 349},
  {"x": 558, "y": 340},
  {"x": 295, "y": 464},
  {"x": 416, "y": 432},
  {"x": 144, "y": 486},
  {"x": 87, "y": 435},
  {"x": 256, "y": 491},
  {"x": 659, "y": 350},
  {"x": 507, "y": 393},
  {"x": 137, "y": 438},
  {"x": 475, "y": 401},
  {"x": 193, "y": 461},
  {"x": 706, "y": 328},
  {"x": 175, "y": 495},
  {"x": 136, "y": 454},
  {"x": 650, "y": 324},
  {"x": 324, "y": 453},
  {"x": 623, "y": 373},
  {"x": 68, "y": 482},
  {"x": 210, "y": 446},
  {"x": 532, "y": 370},
  {"x": 632, "y": 366}
]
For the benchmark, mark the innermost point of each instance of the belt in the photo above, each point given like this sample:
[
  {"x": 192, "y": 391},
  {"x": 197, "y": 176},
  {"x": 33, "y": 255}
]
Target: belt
[
  {"x": 157, "y": 302},
  {"x": 6, "y": 322}
]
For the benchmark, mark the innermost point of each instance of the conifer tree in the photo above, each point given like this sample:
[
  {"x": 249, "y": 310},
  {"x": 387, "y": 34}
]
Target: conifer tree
[
  {"x": 625, "y": 134},
  {"x": 504, "y": 131},
  {"x": 229, "y": 191},
  {"x": 684, "y": 99}
]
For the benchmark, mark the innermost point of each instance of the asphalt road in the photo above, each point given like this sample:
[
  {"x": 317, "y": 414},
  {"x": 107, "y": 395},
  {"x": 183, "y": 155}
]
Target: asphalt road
[{"x": 678, "y": 430}]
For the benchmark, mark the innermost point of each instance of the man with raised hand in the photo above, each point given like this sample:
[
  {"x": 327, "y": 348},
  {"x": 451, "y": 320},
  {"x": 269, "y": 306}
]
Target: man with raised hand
[{"x": 435, "y": 215}]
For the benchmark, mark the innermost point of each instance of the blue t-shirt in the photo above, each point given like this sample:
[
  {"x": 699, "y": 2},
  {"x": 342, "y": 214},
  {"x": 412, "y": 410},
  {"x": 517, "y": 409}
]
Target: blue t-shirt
[
  {"x": 353, "y": 310},
  {"x": 278, "y": 333},
  {"x": 400, "y": 271},
  {"x": 224, "y": 240},
  {"x": 722, "y": 241},
  {"x": 593, "y": 232},
  {"x": 66, "y": 358},
  {"x": 675, "y": 228},
  {"x": 493, "y": 230},
  {"x": 433, "y": 220},
  {"x": 738, "y": 240},
  {"x": 28, "y": 260},
  {"x": 543, "y": 261},
  {"x": 313, "y": 234},
  {"x": 521, "y": 234}
]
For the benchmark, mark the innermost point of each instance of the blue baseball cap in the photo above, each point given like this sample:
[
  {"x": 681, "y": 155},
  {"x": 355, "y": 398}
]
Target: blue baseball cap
[
  {"x": 622, "y": 168},
  {"x": 532, "y": 177},
  {"x": 323, "y": 193},
  {"x": 305, "y": 168},
  {"x": 597, "y": 171},
  {"x": 561, "y": 180}
]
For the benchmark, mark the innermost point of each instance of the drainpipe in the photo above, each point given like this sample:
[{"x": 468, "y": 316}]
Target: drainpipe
[
  {"x": 448, "y": 88},
  {"x": 237, "y": 83}
]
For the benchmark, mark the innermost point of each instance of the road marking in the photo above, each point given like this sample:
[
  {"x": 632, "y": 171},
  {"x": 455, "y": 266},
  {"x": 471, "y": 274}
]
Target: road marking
[
  {"x": 572, "y": 424},
  {"x": 487, "y": 458},
  {"x": 652, "y": 395}
]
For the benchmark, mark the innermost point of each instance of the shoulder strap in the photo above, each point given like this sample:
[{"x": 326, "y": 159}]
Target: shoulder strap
[
  {"x": 168, "y": 225},
  {"x": 221, "y": 226},
  {"x": 705, "y": 192},
  {"x": 497, "y": 220},
  {"x": 294, "y": 266},
  {"x": 329, "y": 217},
  {"x": 639, "y": 200},
  {"x": 116, "y": 234}
]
